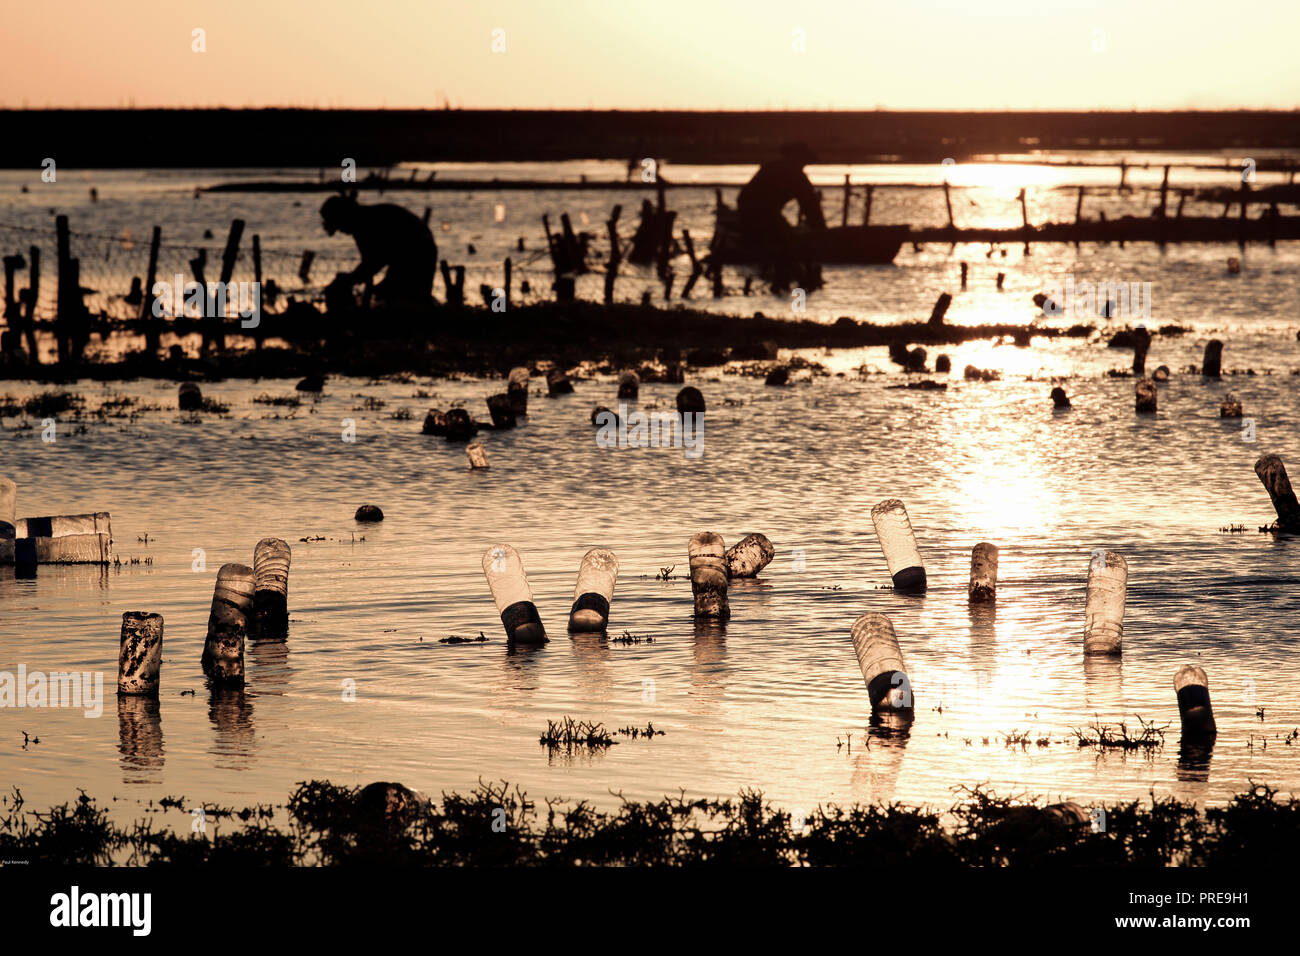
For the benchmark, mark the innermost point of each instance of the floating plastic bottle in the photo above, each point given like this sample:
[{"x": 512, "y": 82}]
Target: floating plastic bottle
[
  {"x": 983, "y": 573},
  {"x": 1210, "y": 368},
  {"x": 557, "y": 383},
  {"x": 8, "y": 506},
  {"x": 232, "y": 605},
  {"x": 749, "y": 555},
  {"x": 477, "y": 454},
  {"x": 504, "y": 570},
  {"x": 595, "y": 589},
  {"x": 501, "y": 409},
  {"x": 881, "y": 662},
  {"x": 435, "y": 422},
  {"x": 271, "y": 558},
  {"x": 1146, "y": 397},
  {"x": 1193, "y": 690},
  {"x": 1272, "y": 473},
  {"x": 894, "y": 531},
  {"x": 691, "y": 400},
  {"x": 709, "y": 575},
  {"x": 139, "y": 658},
  {"x": 1103, "y": 623},
  {"x": 458, "y": 426},
  {"x": 188, "y": 397},
  {"x": 517, "y": 390}
]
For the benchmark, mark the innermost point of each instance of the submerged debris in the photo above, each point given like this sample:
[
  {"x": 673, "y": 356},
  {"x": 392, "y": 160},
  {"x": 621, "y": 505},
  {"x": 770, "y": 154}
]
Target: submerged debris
[
  {"x": 569, "y": 735},
  {"x": 1107, "y": 737},
  {"x": 648, "y": 731},
  {"x": 453, "y": 639},
  {"x": 627, "y": 637}
]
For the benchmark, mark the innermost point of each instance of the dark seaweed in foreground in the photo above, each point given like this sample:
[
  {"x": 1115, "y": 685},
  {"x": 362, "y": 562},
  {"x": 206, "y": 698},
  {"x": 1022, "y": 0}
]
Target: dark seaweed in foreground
[{"x": 495, "y": 825}]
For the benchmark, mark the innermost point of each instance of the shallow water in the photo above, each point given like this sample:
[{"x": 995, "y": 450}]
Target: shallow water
[
  {"x": 1189, "y": 282},
  {"x": 766, "y": 702},
  {"x": 760, "y": 703}
]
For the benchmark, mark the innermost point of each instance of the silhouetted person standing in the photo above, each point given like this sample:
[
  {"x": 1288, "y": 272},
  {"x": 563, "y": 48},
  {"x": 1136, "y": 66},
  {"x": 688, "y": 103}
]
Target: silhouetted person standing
[{"x": 386, "y": 235}]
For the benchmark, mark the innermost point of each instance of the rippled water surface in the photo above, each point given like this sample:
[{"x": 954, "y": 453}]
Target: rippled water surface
[{"x": 768, "y": 701}]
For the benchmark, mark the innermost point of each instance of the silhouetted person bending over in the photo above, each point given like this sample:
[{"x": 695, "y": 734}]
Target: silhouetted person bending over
[
  {"x": 760, "y": 203},
  {"x": 386, "y": 235},
  {"x": 775, "y": 184}
]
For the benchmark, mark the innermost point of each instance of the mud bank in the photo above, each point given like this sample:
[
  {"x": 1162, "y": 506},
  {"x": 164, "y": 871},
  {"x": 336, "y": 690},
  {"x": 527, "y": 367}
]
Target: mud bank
[
  {"x": 479, "y": 341},
  {"x": 389, "y": 824}
]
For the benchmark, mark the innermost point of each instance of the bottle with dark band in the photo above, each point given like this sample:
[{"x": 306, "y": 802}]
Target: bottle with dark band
[
  {"x": 271, "y": 598},
  {"x": 504, "y": 571},
  {"x": 709, "y": 575},
  {"x": 750, "y": 555},
  {"x": 881, "y": 662},
  {"x": 983, "y": 573},
  {"x": 1193, "y": 690},
  {"x": 594, "y": 591},
  {"x": 894, "y": 531}
]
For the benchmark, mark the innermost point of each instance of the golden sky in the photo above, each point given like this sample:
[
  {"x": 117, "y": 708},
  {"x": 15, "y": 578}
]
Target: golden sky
[{"x": 687, "y": 54}]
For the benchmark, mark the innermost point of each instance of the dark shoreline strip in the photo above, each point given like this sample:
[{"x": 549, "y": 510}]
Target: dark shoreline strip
[
  {"x": 332, "y": 825},
  {"x": 471, "y": 340}
]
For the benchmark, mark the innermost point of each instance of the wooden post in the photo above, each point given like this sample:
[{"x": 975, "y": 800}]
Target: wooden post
[
  {"x": 1182, "y": 198},
  {"x": 940, "y": 309},
  {"x": 63, "y": 307},
  {"x": 1272, "y": 473},
  {"x": 1245, "y": 200},
  {"x": 1024, "y": 217},
  {"x": 947, "y": 201},
  {"x": 696, "y": 268},
  {"x": 11, "y": 265},
  {"x": 304, "y": 267},
  {"x": 152, "y": 338},
  {"x": 717, "y": 280},
  {"x": 615, "y": 254},
  {"x": 866, "y": 213},
  {"x": 33, "y": 292},
  {"x": 1078, "y": 216},
  {"x": 550, "y": 240},
  {"x": 228, "y": 257},
  {"x": 1123, "y": 175},
  {"x": 506, "y": 287},
  {"x": 455, "y": 290},
  {"x": 570, "y": 239},
  {"x": 848, "y": 194},
  {"x": 1164, "y": 193},
  {"x": 231, "y": 252},
  {"x": 80, "y": 331},
  {"x": 257, "y": 284},
  {"x": 560, "y": 257},
  {"x": 197, "y": 266}
]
